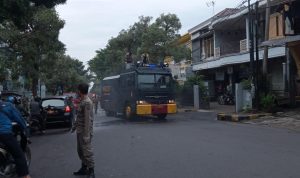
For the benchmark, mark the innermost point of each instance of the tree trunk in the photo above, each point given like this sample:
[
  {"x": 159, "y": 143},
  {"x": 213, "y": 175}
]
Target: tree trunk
[{"x": 33, "y": 86}]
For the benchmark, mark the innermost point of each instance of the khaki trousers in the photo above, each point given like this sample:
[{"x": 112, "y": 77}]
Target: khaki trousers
[{"x": 85, "y": 151}]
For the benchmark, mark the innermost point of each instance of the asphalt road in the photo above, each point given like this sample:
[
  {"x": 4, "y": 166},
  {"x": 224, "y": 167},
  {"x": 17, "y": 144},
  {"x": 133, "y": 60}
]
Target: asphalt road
[{"x": 188, "y": 145}]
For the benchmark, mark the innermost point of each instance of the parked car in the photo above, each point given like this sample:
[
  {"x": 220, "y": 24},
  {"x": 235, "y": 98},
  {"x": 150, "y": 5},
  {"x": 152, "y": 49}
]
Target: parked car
[{"x": 57, "y": 110}]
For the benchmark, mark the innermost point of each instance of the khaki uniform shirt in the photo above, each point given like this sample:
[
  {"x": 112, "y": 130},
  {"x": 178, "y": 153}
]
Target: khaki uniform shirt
[{"x": 85, "y": 117}]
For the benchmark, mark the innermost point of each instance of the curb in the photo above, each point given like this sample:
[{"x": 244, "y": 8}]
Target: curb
[
  {"x": 187, "y": 110},
  {"x": 239, "y": 117}
]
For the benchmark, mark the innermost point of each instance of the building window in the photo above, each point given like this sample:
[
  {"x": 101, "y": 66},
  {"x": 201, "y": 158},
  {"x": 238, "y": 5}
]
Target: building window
[
  {"x": 276, "y": 26},
  {"x": 208, "y": 47}
]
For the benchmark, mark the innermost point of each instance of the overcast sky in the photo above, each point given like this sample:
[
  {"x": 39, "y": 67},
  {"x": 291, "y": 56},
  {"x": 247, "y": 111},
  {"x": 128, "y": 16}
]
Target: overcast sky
[{"x": 91, "y": 23}]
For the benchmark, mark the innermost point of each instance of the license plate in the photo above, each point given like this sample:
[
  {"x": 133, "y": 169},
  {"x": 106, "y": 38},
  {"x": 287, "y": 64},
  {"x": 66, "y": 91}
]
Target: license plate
[{"x": 159, "y": 106}]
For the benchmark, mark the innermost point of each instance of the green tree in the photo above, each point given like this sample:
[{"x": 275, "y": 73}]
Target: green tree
[
  {"x": 161, "y": 38},
  {"x": 154, "y": 43},
  {"x": 157, "y": 39},
  {"x": 180, "y": 52},
  {"x": 29, "y": 30},
  {"x": 66, "y": 72},
  {"x": 37, "y": 46},
  {"x": 19, "y": 11},
  {"x": 106, "y": 62}
]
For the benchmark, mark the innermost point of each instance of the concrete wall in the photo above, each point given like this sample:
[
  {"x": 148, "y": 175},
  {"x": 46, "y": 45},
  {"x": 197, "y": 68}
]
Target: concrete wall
[
  {"x": 243, "y": 98},
  {"x": 196, "y": 50},
  {"x": 276, "y": 74},
  {"x": 189, "y": 72},
  {"x": 229, "y": 41}
]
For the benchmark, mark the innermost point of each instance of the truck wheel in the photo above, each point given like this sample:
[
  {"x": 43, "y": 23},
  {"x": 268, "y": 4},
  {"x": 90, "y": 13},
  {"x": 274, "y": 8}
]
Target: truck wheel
[
  {"x": 161, "y": 116},
  {"x": 128, "y": 113}
]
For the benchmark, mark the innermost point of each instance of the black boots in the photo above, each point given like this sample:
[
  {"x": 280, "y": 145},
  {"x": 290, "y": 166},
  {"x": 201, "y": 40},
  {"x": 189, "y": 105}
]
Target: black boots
[
  {"x": 91, "y": 173},
  {"x": 85, "y": 171},
  {"x": 82, "y": 171}
]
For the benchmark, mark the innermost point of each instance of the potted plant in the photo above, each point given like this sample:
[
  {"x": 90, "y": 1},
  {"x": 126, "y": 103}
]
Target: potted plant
[
  {"x": 246, "y": 83},
  {"x": 268, "y": 102}
]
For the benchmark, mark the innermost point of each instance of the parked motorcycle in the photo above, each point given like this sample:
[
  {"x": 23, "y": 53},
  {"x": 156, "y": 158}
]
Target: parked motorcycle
[
  {"x": 226, "y": 99},
  {"x": 7, "y": 163}
]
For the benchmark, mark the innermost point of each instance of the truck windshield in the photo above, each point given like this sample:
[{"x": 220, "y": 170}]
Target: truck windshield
[{"x": 149, "y": 81}]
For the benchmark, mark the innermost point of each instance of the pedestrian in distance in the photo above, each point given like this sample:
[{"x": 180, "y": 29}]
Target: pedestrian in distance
[
  {"x": 9, "y": 114},
  {"x": 84, "y": 130},
  {"x": 71, "y": 105},
  {"x": 36, "y": 111},
  {"x": 95, "y": 101}
]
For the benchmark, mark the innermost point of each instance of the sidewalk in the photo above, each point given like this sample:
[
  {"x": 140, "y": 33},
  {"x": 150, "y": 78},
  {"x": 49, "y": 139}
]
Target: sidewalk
[
  {"x": 288, "y": 119},
  {"x": 238, "y": 117},
  {"x": 214, "y": 107},
  {"x": 225, "y": 112}
]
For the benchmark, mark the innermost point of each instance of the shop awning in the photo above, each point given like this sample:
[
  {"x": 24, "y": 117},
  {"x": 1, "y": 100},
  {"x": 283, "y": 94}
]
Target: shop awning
[{"x": 237, "y": 59}]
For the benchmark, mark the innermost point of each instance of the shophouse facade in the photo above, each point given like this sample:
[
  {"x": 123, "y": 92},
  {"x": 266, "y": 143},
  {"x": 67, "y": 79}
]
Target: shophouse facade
[{"x": 220, "y": 50}]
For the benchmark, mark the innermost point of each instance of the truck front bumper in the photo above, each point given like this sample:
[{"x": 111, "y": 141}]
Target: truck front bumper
[{"x": 153, "y": 109}]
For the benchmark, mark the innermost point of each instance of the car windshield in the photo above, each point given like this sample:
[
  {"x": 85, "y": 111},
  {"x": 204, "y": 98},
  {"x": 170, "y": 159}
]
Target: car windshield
[
  {"x": 53, "y": 102},
  {"x": 148, "y": 81}
]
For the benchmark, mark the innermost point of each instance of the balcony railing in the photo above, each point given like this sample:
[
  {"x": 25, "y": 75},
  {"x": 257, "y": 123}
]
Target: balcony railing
[{"x": 244, "y": 45}]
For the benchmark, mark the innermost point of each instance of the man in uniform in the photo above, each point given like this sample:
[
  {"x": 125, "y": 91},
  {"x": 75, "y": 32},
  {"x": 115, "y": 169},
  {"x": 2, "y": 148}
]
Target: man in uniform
[{"x": 84, "y": 129}]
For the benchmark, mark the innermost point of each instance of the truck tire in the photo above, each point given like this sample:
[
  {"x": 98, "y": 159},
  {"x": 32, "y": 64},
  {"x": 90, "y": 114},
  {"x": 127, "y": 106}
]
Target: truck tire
[
  {"x": 161, "y": 116},
  {"x": 128, "y": 112}
]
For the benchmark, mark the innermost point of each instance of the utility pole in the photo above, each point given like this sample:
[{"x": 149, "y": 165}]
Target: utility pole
[
  {"x": 39, "y": 70},
  {"x": 251, "y": 46},
  {"x": 257, "y": 71},
  {"x": 266, "y": 50}
]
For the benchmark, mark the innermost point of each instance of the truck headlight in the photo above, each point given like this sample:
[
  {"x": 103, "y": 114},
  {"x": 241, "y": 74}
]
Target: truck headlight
[
  {"x": 141, "y": 102},
  {"x": 171, "y": 101}
]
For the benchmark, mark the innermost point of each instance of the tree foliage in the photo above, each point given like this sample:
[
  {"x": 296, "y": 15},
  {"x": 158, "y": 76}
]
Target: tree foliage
[
  {"x": 19, "y": 11},
  {"x": 29, "y": 31},
  {"x": 36, "y": 46},
  {"x": 158, "y": 39},
  {"x": 66, "y": 72}
]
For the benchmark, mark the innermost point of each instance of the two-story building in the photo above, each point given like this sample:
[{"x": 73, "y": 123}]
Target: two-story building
[
  {"x": 284, "y": 30},
  {"x": 220, "y": 49}
]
